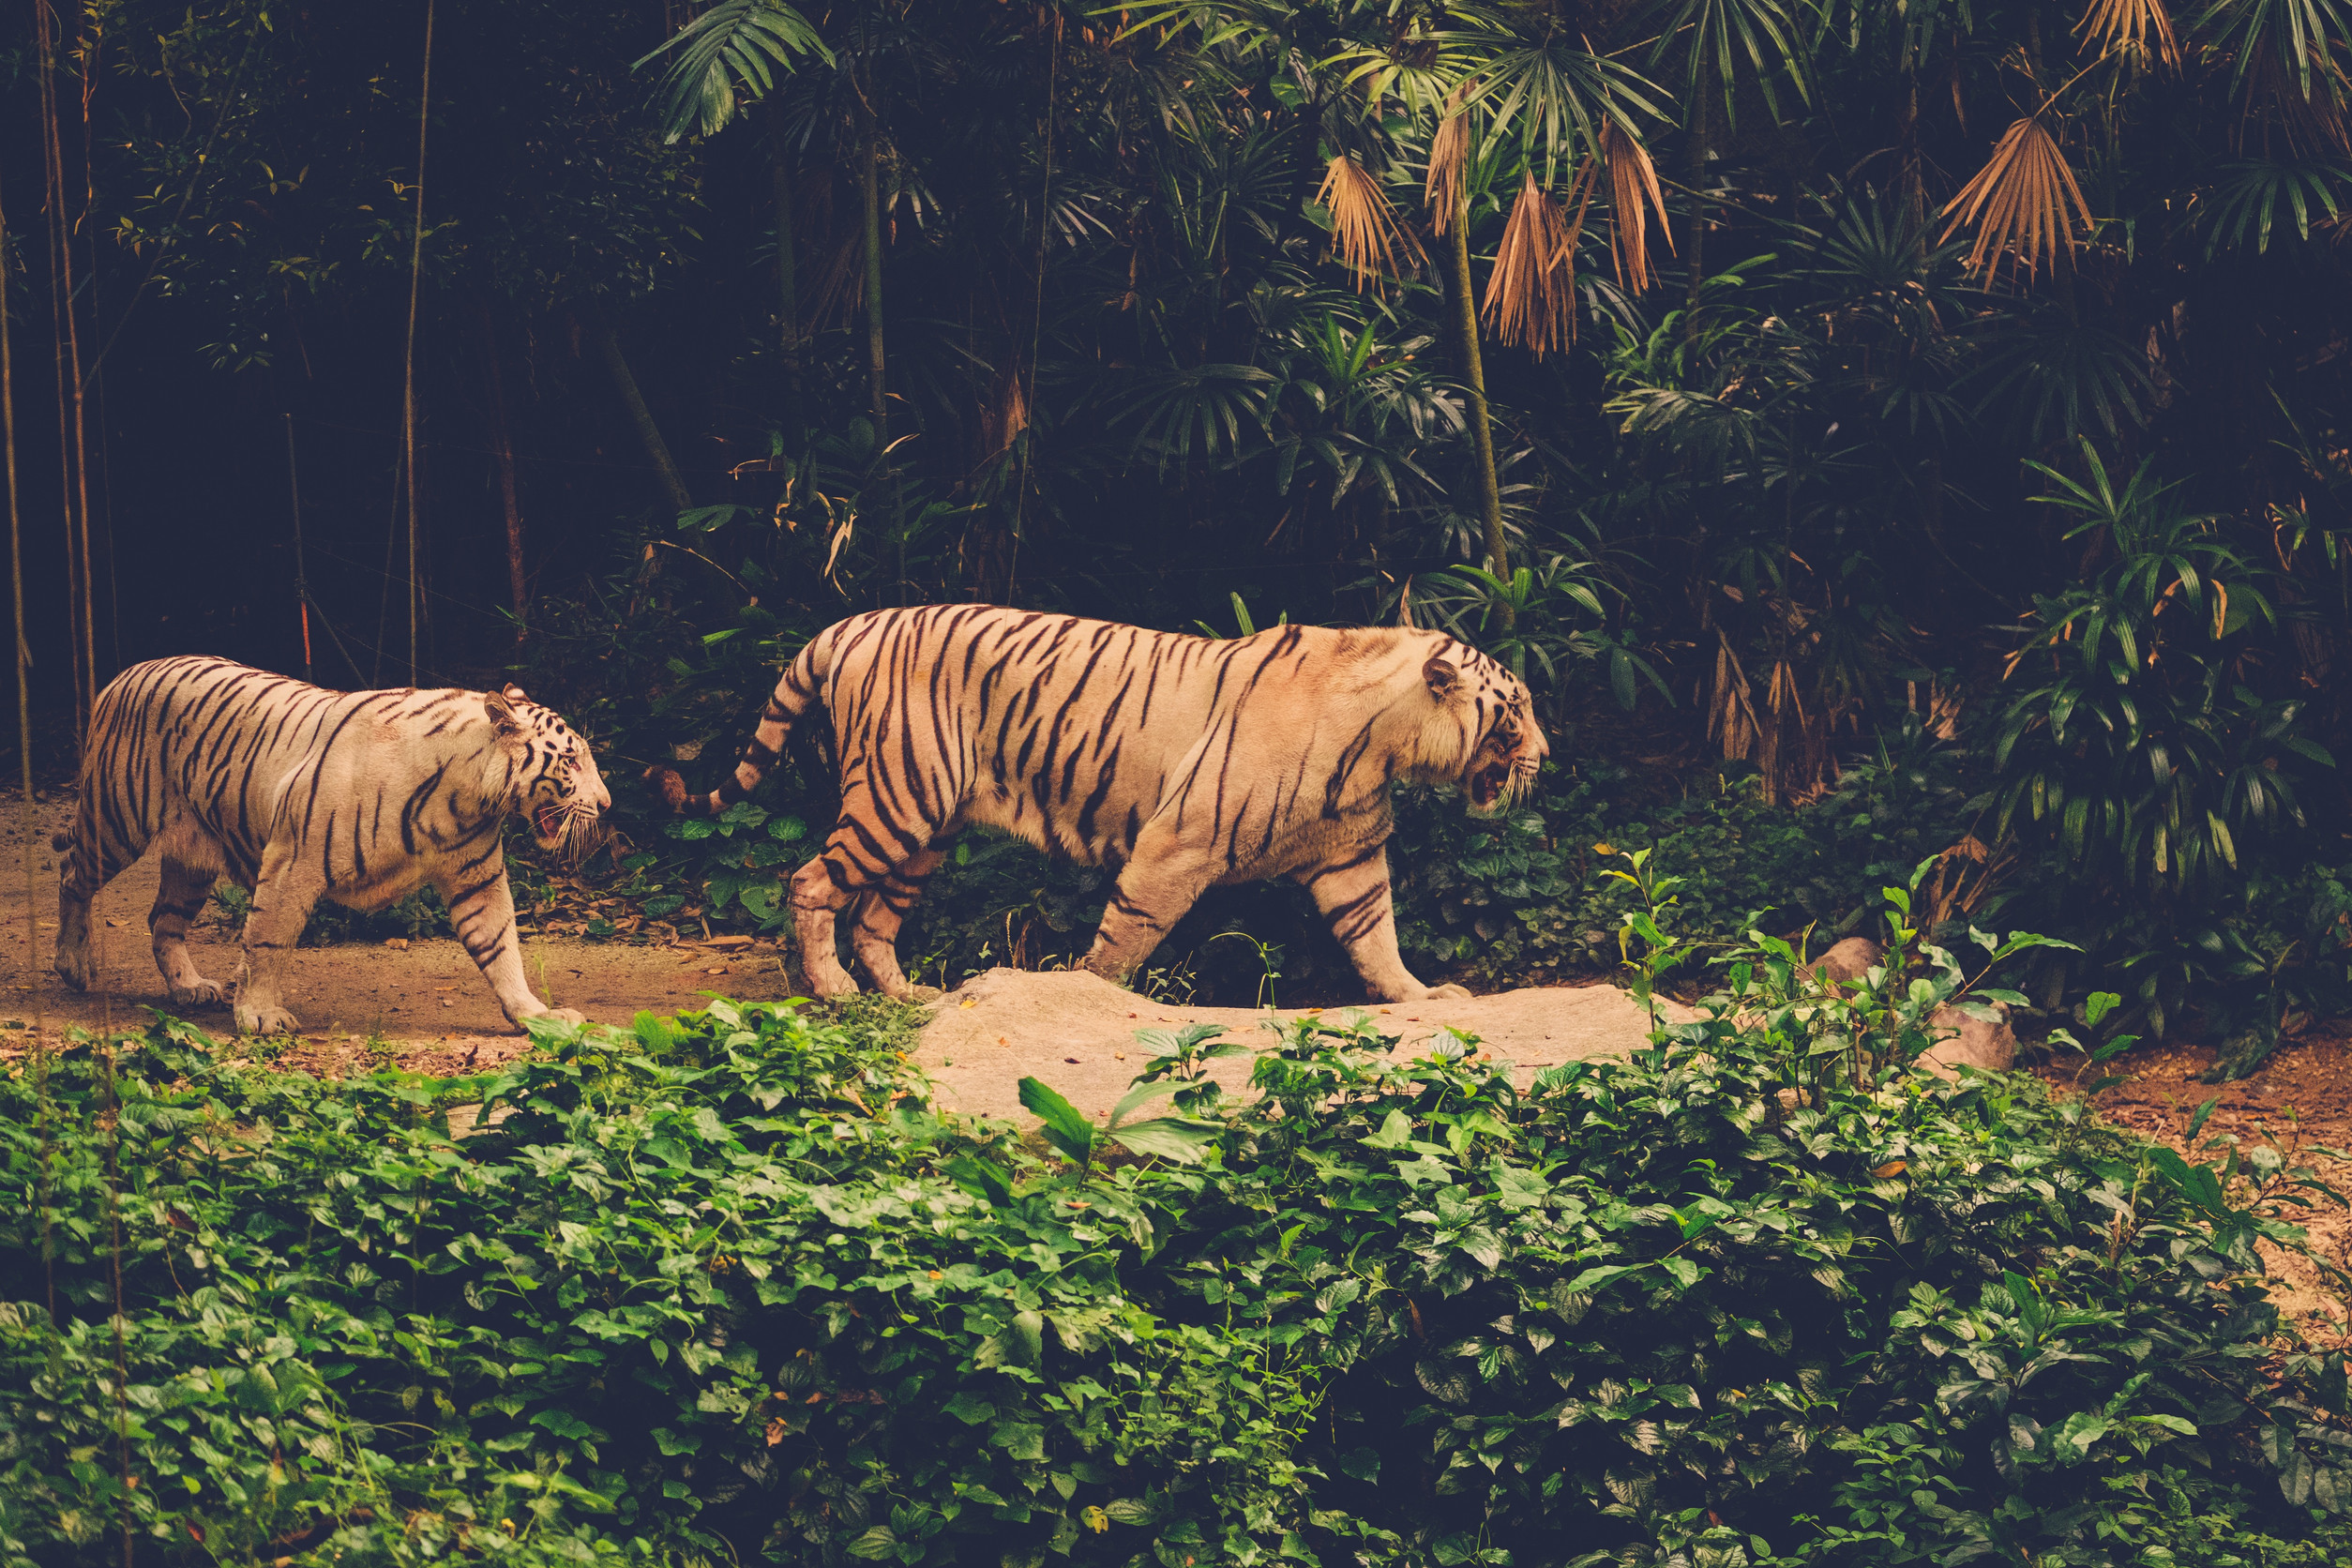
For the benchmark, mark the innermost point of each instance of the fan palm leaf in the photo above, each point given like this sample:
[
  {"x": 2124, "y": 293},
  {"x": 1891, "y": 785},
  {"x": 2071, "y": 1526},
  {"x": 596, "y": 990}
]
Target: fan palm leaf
[
  {"x": 1531, "y": 294},
  {"x": 1633, "y": 194},
  {"x": 2025, "y": 200},
  {"x": 2303, "y": 35},
  {"x": 1449, "y": 161},
  {"x": 1718, "y": 33},
  {"x": 2140, "y": 27},
  {"x": 1365, "y": 232}
]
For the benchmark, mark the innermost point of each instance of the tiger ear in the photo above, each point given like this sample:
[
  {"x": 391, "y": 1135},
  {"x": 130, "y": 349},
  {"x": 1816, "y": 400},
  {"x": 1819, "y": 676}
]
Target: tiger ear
[
  {"x": 1441, "y": 676},
  {"x": 501, "y": 717},
  {"x": 514, "y": 693}
]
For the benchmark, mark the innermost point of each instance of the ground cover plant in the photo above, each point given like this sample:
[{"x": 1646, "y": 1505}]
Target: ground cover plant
[{"x": 723, "y": 1288}]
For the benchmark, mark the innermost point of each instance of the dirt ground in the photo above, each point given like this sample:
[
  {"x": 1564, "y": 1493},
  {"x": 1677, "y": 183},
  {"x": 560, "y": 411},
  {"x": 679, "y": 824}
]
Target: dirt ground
[
  {"x": 424, "y": 1001},
  {"x": 2298, "y": 1102}
]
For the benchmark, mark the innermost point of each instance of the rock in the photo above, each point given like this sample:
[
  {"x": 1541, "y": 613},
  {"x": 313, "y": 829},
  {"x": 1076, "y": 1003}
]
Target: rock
[
  {"x": 1975, "y": 1042},
  {"x": 1848, "y": 960}
]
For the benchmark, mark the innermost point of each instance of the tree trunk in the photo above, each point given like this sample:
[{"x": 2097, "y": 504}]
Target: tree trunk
[
  {"x": 503, "y": 454},
  {"x": 787, "y": 278},
  {"x": 1462, "y": 317},
  {"x": 674, "y": 485}
]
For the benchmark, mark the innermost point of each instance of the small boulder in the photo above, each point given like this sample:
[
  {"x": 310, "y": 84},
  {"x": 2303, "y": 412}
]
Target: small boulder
[
  {"x": 1848, "y": 960},
  {"x": 1971, "y": 1041}
]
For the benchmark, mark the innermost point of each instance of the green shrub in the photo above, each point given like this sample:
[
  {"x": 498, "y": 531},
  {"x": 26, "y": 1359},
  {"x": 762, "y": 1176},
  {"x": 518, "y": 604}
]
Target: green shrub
[{"x": 724, "y": 1288}]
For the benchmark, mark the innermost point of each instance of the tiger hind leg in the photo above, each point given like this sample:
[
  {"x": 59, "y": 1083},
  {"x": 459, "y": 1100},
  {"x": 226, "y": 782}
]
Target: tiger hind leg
[
  {"x": 880, "y": 910},
  {"x": 191, "y": 864},
  {"x": 864, "y": 848},
  {"x": 88, "y": 859}
]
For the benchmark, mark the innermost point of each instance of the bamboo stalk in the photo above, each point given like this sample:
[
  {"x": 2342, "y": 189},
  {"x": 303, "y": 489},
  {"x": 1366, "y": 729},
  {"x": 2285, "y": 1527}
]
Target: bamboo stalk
[
  {"x": 81, "y": 640},
  {"x": 416, "y": 279}
]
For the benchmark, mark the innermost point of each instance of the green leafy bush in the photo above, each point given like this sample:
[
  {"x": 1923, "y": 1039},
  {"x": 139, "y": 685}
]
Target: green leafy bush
[{"x": 723, "y": 1288}]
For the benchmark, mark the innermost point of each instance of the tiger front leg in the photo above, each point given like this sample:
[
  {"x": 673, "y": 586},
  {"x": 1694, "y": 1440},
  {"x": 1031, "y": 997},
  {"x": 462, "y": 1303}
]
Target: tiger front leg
[
  {"x": 482, "y": 909},
  {"x": 1353, "y": 894},
  {"x": 284, "y": 894},
  {"x": 179, "y": 897},
  {"x": 1154, "y": 892}
]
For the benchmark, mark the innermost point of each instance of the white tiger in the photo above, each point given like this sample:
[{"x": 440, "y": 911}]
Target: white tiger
[{"x": 295, "y": 793}]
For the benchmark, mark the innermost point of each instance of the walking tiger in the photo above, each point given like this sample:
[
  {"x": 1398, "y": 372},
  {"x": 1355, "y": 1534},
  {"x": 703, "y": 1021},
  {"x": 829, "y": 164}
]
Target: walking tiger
[
  {"x": 295, "y": 793},
  {"x": 1182, "y": 762}
]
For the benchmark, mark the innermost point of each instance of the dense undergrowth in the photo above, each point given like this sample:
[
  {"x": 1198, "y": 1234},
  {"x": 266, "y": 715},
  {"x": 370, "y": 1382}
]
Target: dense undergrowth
[{"x": 726, "y": 1289}]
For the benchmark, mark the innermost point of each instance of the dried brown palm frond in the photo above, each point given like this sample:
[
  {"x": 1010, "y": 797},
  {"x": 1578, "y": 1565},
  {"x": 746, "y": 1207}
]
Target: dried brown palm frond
[
  {"x": 1448, "y": 155},
  {"x": 1365, "y": 233},
  {"x": 2141, "y": 27},
  {"x": 1006, "y": 413},
  {"x": 2024, "y": 199},
  {"x": 1633, "y": 183},
  {"x": 2309, "y": 115},
  {"x": 1531, "y": 293}
]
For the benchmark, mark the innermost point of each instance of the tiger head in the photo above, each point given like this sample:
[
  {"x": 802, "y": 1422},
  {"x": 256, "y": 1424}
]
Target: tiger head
[
  {"x": 557, "y": 787},
  {"x": 1494, "y": 731}
]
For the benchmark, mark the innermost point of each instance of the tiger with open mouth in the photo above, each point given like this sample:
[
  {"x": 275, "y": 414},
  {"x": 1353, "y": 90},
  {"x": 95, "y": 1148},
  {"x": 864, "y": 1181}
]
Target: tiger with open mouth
[
  {"x": 1181, "y": 761},
  {"x": 295, "y": 792}
]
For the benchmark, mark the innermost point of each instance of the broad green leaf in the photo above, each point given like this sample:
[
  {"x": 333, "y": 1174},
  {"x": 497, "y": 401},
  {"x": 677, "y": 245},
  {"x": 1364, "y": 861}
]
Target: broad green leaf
[
  {"x": 1065, "y": 1126},
  {"x": 1171, "y": 1137}
]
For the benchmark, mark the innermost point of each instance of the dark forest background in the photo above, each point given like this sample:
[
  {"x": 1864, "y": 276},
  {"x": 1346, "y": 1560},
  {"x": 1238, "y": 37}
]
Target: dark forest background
[{"x": 1878, "y": 432}]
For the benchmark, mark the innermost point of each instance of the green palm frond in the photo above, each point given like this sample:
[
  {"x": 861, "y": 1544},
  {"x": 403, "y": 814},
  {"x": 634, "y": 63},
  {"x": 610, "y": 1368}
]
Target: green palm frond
[
  {"x": 2299, "y": 35},
  {"x": 1716, "y": 35},
  {"x": 2253, "y": 197},
  {"x": 735, "y": 43}
]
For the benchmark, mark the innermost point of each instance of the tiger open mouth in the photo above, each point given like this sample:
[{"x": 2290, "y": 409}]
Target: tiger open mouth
[
  {"x": 549, "y": 820},
  {"x": 1489, "y": 785}
]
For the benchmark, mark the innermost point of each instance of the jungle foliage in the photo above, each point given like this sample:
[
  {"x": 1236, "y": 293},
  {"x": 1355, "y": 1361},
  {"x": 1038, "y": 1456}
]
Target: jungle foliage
[
  {"x": 725, "y": 1287},
  {"x": 1781, "y": 373}
]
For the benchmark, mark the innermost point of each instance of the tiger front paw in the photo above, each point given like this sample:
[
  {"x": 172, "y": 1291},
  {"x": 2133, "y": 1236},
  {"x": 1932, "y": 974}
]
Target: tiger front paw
[
  {"x": 1446, "y": 993},
  {"x": 198, "y": 993},
  {"x": 562, "y": 1015},
  {"x": 264, "y": 1018}
]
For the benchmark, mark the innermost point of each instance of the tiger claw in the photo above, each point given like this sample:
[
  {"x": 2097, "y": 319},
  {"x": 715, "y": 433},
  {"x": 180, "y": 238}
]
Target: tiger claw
[
  {"x": 264, "y": 1020},
  {"x": 199, "y": 992}
]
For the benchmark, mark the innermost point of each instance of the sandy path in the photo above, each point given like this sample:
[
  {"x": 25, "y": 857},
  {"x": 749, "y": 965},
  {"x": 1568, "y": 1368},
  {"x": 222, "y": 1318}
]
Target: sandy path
[
  {"x": 430, "y": 995},
  {"x": 431, "y": 1011},
  {"x": 1076, "y": 1032}
]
